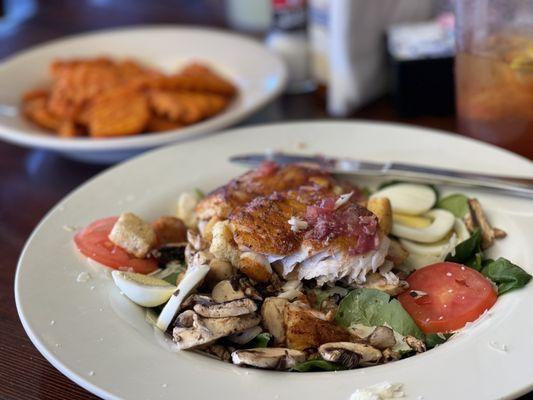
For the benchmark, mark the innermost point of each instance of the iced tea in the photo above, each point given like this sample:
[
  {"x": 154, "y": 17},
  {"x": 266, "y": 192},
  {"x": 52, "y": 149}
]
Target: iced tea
[{"x": 495, "y": 92}]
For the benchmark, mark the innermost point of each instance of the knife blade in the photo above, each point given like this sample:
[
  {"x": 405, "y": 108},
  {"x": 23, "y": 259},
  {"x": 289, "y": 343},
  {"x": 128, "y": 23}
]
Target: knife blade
[{"x": 508, "y": 185}]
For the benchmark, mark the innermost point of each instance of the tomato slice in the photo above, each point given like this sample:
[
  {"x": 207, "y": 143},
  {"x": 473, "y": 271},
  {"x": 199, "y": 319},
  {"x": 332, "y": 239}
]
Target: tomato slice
[
  {"x": 94, "y": 243},
  {"x": 456, "y": 294}
]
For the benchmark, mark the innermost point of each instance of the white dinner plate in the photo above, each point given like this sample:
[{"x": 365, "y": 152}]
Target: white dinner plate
[
  {"x": 259, "y": 74},
  {"x": 100, "y": 340}
]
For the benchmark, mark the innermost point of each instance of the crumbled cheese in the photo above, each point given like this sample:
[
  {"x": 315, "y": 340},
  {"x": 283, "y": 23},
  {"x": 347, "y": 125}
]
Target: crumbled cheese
[
  {"x": 91, "y": 373},
  {"x": 343, "y": 199},
  {"x": 448, "y": 274},
  {"x": 69, "y": 228},
  {"x": 381, "y": 391},
  {"x": 164, "y": 385},
  {"x": 52, "y": 322},
  {"x": 83, "y": 277},
  {"x": 501, "y": 347},
  {"x": 297, "y": 225}
]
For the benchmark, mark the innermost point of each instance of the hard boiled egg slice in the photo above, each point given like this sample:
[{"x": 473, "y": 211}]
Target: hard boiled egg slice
[
  {"x": 441, "y": 224},
  {"x": 193, "y": 277},
  {"x": 409, "y": 198},
  {"x": 144, "y": 290},
  {"x": 441, "y": 247}
]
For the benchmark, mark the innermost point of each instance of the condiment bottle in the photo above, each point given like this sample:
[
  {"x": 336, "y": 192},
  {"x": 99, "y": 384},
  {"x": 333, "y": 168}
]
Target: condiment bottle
[{"x": 288, "y": 38}]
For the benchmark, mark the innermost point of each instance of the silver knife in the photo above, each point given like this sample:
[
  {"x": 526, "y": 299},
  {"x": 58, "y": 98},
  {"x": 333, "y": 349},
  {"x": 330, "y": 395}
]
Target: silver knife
[{"x": 509, "y": 185}]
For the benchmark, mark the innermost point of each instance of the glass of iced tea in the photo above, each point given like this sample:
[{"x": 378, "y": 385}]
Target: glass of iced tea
[{"x": 494, "y": 72}]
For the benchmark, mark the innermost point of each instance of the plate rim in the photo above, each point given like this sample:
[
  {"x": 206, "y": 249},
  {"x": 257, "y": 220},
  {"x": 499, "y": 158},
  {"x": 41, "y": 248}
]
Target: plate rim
[
  {"x": 221, "y": 121},
  {"x": 85, "y": 383}
]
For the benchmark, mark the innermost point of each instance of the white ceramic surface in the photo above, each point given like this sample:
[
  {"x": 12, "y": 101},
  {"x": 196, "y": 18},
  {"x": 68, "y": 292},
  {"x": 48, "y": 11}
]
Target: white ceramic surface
[
  {"x": 101, "y": 341},
  {"x": 259, "y": 74}
]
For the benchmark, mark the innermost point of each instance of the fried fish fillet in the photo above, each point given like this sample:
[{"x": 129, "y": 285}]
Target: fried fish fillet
[{"x": 260, "y": 182}]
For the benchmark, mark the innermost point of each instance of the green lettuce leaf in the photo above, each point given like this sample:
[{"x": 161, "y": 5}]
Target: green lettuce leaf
[
  {"x": 506, "y": 275},
  {"x": 316, "y": 365},
  {"x": 435, "y": 339},
  {"x": 457, "y": 204},
  {"x": 372, "y": 307}
]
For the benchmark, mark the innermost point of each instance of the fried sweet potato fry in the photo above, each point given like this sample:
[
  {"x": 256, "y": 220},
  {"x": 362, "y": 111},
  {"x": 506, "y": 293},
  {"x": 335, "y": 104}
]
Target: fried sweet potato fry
[
  {"x": 161, "y": 124},
  {"x": 104, "y": 97},
  {"x": 119, "y": 112},
  {"x": 186, "y": 107},
  {"x": 197, "y": 78},
  {"x": 37, "y": 111}
]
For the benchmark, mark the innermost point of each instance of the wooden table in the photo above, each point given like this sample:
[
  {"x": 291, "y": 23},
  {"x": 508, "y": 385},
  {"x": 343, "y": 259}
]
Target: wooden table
[{"x": 32, "y": 181}]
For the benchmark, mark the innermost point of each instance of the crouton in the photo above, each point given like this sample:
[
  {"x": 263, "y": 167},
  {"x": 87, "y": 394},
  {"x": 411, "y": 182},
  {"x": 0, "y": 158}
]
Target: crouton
[
  {"x": 133, "y": 234},
  {"x": 223, "y": 247},
  {"x": 272, "y": 312},
  {"x": 170, "y": 229},
  {"x": 381, "y": 208},
  {"x": 306, "y": 328}
]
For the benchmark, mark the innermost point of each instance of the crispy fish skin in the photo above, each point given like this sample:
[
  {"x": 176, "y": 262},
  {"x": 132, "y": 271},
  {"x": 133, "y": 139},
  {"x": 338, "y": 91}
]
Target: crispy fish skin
[
  {"x": 246, "y": 187},
  {"x": 118, "y": 113}
]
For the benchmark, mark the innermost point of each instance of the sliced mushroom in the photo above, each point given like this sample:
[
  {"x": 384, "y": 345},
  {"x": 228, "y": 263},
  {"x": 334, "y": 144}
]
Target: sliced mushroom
[
  {"x": 416, "y": 344},
  {"x": 191, "y": 330},
  {"x": 220, "y": 270},
  {"x": 268, "y": 358},
  {"x": 390, "y": 355},
  {"x": 340, "y": 352},
  {"x": 272, "y": 313},
  {"x": 291, "y": 290},
  {"x": 232, "y": 308},
  {"x": 226, "y": 291},
  {"x": 193, "y": 277},
  {"x": 195, "y": 240},
  {"x": 223, "y": 353},
  {"x": 477, "y": 218},
  {"x": 246, "y": 336},
  {"x": 375, "y": 280},
  {"x": 382, "y": 338}
]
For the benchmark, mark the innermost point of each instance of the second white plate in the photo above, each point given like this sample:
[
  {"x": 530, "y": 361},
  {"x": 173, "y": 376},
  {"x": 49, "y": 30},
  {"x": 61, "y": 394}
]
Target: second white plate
[{"x": 259, "y": 74}]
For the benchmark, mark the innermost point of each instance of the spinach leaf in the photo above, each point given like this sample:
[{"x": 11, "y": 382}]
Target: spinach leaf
[
  {"x": 261, "y": 340},
  {"x": 371, "y": 307},
  {"x": 464, "y": 251},
  {"x": 435, "y": 339},
  {"x": 506, "y": 275},
  {"x": 476, "y": 262},
  {"x": 457, "y": 204},
  {"x": 396, "y": 181},
  {"x": 316, "y": 365}
]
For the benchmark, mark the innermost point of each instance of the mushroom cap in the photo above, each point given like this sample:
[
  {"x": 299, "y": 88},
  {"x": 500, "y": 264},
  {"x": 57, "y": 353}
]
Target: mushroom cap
[
  {"x": 368, "y": 355},
  {"x": 268, "y": 357},
  {"x": 232, "y": 308},
  {"x": 192, "y": 330}
]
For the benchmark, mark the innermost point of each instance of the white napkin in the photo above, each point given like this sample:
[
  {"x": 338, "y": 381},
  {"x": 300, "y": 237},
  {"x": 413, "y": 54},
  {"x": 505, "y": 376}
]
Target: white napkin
[{"x": 357, "y": 56}]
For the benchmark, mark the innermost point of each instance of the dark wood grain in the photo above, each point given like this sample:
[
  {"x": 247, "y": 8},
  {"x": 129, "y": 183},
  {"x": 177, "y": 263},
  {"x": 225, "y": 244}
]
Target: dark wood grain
[{"x": 31, "y": 181}]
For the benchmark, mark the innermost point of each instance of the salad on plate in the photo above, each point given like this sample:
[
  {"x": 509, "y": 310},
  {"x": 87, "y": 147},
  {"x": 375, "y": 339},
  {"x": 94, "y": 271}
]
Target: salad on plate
[{"x": 291, "y": 268}]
